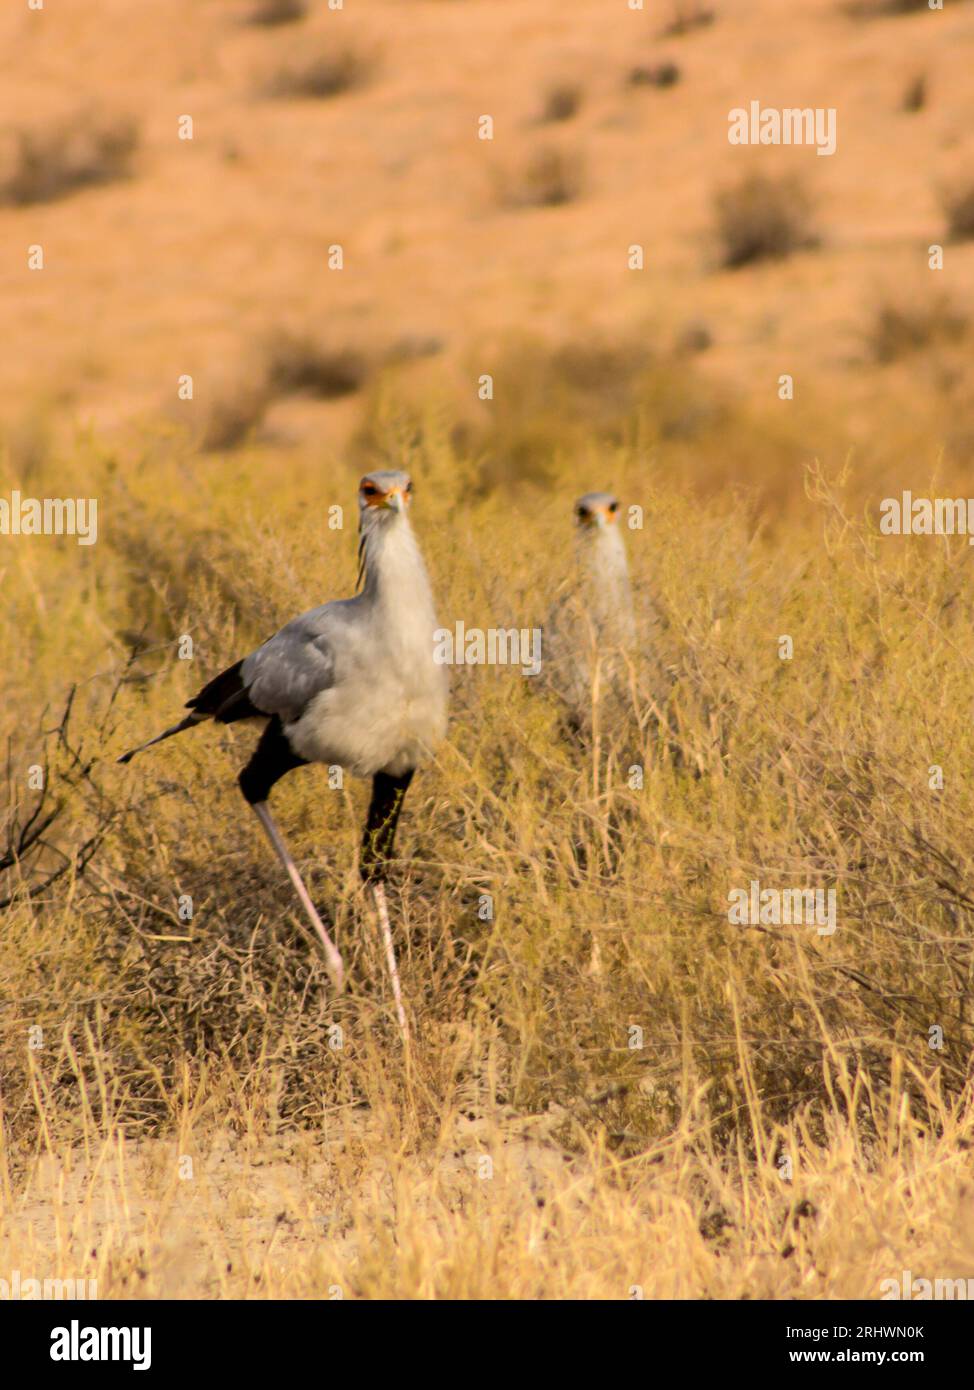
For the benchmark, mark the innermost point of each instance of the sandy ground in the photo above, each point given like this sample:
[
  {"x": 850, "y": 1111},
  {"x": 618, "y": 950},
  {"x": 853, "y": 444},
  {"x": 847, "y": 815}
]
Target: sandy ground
[{"x": 212, "y": 243}]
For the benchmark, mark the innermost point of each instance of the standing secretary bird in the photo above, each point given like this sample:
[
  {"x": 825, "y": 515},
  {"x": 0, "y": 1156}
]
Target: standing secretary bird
[
  {"x": 591, "y": 629},
  {"x": 351, "y": 683}
]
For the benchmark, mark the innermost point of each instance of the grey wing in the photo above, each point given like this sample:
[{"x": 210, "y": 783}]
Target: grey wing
[{"x": 291, "y": 668}]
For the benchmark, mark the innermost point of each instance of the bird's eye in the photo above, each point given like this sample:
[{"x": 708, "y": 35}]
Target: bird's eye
[
  {"x": 369, "y": 489},
  {"x": 613, "y": 506},
  {"x": 581, "y": 513}
]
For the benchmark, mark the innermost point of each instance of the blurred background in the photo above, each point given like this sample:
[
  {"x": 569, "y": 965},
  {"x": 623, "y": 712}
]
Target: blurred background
[{"x": 357, "y": 128}]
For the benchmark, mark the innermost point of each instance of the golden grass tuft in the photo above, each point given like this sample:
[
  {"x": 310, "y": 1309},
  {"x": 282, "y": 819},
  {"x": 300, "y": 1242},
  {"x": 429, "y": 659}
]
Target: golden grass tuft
[
  {"x": 686, "y": 16},
  {"x": 269, "y": 13},
  {"x": 41, "y": 164},
  {"x": 551, "y": 176},
  {"x": 318, "y": 70},
  {"x": 562, "y": 102},
  {"x": 959, "y": 205},
  {"x": 654, "y": 75},
  {"x": 761, "y": 218},
  {"x": 234, "y": 409},
  {"x": 901, "y": 329},
  {"x": 916, "y": 96},
  {"x": 301, "y": 363},
  {"x": 883, "y": 9}
]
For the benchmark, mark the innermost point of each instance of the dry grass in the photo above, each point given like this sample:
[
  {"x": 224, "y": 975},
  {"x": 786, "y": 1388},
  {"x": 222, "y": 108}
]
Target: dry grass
[
  {"x": 916, "y": 96},
  {"x": 959, "y": 206},
  {"x": 317, "y": 70},
  {"x": 686, "y": 16},
  {"x": 902, "y": 329},
  {"x": 232, "y": 410},
  {"x": 882, "y": 9},
  {"x": 660, "y": 75},
  {"x": 176, "y": 1114},
  {"x": 360, "y": 1209},
  {"x": 609, "y": 391},
  {"x": 269, "y": 13},
  {"x": 40, "y": 164},
  {"x": 300, "y": 363},
  {"x": 611, "y": 1165},
  {"x": 763, "y": 218},
  {"x": 551, "y": 177},
  {"x": 695, "y": 336},
  {"x": 562, "y": 102}
]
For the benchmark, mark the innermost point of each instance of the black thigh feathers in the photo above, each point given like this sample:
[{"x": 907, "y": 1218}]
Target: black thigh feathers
[
  {"x": 388, "y": 794},
  {"x": 272, "y": 757}
]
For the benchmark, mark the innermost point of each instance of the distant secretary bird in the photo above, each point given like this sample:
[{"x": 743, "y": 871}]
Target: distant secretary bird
[
  {"x": 591, "y": 628},
  {"x": 351, "y": 683}
]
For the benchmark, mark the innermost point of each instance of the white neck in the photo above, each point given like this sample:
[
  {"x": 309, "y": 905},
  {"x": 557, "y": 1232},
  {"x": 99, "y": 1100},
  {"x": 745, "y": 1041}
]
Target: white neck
[
  {"x": 605, "y": 574},
  {"x": 395, "y": 578}
]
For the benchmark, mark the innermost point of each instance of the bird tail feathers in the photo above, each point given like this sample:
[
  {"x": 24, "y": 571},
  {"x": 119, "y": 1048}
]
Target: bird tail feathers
[{"x": 187, "y": 723}]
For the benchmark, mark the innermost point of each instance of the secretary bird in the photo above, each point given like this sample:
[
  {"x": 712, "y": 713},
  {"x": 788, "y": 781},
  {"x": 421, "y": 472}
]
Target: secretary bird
[
  {"x": 591, "y": 629},
  {"x": 351, "y": 683}
]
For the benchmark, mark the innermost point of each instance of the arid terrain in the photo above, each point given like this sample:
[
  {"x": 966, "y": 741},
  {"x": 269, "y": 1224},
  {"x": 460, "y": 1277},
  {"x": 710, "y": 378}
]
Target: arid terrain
[
  {"x": 611, "y": 1090},
  {"x": 203, "y": 252}
]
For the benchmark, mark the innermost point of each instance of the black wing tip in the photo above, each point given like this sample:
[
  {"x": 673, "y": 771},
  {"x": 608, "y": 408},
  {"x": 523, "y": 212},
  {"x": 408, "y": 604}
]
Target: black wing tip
[{"x": 217, "y": 692}]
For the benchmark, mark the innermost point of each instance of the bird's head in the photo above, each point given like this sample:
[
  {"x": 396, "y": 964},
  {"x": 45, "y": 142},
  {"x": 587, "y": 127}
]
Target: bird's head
[
  {"x": 595, "y": 511},
  {"x": 383, "y": 495}
]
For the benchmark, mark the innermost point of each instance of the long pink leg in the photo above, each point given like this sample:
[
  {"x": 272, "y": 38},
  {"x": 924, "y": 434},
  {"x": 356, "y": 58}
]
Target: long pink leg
[
  {"x": 379, "y": 893},
  {"x": 335, "y": 965}
]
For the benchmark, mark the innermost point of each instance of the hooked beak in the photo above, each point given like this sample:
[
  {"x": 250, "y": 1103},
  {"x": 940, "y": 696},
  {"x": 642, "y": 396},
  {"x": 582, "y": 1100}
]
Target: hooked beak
[{"x": 395, "y": 500}]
